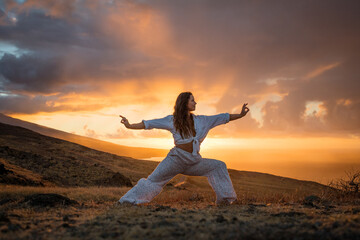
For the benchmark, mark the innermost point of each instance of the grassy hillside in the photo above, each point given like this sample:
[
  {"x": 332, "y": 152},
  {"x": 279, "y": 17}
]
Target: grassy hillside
[
  {"x": 69, "y": 164},
  {"x": 49, "y": 189},
  {"x": 135, "y": 152},
  {"x": 64, "y": 163}
]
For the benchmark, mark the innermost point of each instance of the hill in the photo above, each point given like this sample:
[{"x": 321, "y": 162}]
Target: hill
[
  {"x": 135, "y": 152},
  {"x": 65, "y": 163}
]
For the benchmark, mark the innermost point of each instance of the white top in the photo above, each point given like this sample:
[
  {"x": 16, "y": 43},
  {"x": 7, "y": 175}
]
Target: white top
[{"x": 202, "y": 126}]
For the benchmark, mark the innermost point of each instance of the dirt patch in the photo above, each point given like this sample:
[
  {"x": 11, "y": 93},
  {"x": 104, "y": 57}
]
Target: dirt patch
[
  {"x": 48, "y": 200},
  {"x": 115, "y": 180}
]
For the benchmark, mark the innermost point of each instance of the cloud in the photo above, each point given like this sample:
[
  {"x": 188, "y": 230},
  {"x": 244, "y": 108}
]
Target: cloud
[
  {"x": 123, "y": 52},
  {"x": 321, "y": 70},
  {"x": 17, "y": 103},
  {"x": 89, "y": 132},
  {"x": 31, "y": 73},
  {"x": 335, "y": 89}
]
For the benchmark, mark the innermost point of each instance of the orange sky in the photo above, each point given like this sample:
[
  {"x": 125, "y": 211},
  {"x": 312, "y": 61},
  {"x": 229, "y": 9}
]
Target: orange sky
[{"x": 294, "y": 62}]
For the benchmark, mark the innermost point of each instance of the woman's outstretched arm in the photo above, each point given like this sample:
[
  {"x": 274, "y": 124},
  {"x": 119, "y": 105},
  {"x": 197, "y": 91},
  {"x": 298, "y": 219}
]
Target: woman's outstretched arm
[
  {"x": 139, "y": 125},
  {"x": 244, "y": 111}
]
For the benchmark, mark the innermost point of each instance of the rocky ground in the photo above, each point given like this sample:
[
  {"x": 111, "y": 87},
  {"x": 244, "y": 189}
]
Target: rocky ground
[{"x": 55, "y": 217}]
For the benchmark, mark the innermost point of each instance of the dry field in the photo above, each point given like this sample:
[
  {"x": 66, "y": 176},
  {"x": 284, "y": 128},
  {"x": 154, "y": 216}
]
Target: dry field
[
  {"x": 54, "y": 189},
  {"x": 177, "y": 213}
]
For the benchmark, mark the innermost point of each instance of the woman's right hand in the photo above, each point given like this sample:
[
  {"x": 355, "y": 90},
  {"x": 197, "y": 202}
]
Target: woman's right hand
[{"x": 124, "y": 121}]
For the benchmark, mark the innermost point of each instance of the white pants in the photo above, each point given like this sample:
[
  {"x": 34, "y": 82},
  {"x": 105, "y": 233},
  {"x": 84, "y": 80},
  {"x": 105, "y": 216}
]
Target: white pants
[{"x": 179, "y": 161}]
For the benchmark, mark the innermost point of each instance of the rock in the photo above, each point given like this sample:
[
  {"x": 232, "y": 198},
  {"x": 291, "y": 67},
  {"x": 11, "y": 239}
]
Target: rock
[
  {"x": 288, "y": 214},
  {"x": 220, "y": 219},
  {"x": 14, "y": 227},
  {"x": 161, "y": 208},
  {"x": 117, "y": 180},
  {"x": 3, "y": 170},
  {"x": 65, "y": 225},
  {"x": 202, "y": 220},
  {"x": 257, "y": 205},
  {"x": 4, "y": 218},
  {"x": 177, "y": 233},
  {"x": 48, "y": 200},
  {"x": 251, "y": 208},
  {"x": 312, "y": 198},
  {"x": 285, "y": 225},
  {"x": 5, "y": 201},
  {"x": 143, "y": 225},
  {"x": 318, "y": 224},
  {"x": 163, "y": 223},
  {"x": 15, "y": 216},
  {"x": 311, "y": 201},
  {"x": 335, "y": 224},
  {"x": 355, "y": 210}
]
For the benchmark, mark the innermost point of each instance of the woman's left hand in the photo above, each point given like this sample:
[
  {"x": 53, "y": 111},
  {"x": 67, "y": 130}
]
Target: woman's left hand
[{"x": 244, "y": 110}]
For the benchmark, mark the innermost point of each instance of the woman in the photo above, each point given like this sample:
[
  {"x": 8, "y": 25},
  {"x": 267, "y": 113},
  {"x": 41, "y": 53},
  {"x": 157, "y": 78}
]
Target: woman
[{"x": 189, "y": 131}]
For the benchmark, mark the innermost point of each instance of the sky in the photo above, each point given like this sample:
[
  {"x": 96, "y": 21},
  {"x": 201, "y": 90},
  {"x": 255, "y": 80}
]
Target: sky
[{"x": 75, "y": 65}]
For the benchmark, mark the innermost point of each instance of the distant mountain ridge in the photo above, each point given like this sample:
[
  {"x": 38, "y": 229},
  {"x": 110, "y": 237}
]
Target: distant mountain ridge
[{"x": 135, "y": 152}]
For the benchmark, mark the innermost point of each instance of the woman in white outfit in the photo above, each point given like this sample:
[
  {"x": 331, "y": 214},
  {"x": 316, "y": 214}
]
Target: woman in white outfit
[{"x": 189, "y": 131}]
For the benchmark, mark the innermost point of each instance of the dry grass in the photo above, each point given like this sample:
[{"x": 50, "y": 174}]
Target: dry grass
[
  {"x": 169, "y": 196},
  {"x": 175, "y": 209},
  {"x": 191, "y": 190},
  {"x": 81, "y": 194}
]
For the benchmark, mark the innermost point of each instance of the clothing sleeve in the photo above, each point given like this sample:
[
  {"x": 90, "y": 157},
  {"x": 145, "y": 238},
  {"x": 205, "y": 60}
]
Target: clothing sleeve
[
  {"x": 216, "y": 120},
  {"x": 159, "y": 123}
]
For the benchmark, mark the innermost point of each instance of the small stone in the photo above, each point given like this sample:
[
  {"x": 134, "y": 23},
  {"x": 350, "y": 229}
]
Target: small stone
[
  {"x": 5, "y": 201},
  {"x": 48, "y": 200},
  {"x": 311, "y": 200},
  {"x": 317, "y": 225},
  {"x": 355, "y": 210},
  {"x": 4, "y": 218},
  {"x": 14, "y": 227},
  {"x": 65, "y": 225},
  {"x": 288, "y": 214},
  {"x": 286, "y": 225},
  {"x": 143, "y": 225},
  {"x": 220, "y": 219},
  {"x": 336, "y": 224},
  {"x": 161, "y": 208}
]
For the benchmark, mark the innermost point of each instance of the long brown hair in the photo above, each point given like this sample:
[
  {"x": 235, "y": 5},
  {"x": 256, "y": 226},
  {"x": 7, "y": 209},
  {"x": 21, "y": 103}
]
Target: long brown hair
[{"x": 181, "y": 110}]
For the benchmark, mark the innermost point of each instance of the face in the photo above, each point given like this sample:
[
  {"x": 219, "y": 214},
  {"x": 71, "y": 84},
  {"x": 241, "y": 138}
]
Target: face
[{"x": 191, "y": 103}]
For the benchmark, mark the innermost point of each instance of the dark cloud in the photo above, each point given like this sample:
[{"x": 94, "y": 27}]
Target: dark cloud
[
  {"x": 31, "y": 73},
  {"x": 37, "y": 31},
  {"x": 59, "y": 53},
  {"x": 11, "y": 103},
  {"x": 29, "y": 104},
  {"x": 48, "y": 41}
]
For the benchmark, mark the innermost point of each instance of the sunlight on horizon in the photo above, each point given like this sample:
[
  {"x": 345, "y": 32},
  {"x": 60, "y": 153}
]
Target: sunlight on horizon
[
  {"x": 83, "y": 125},
  {"x": 318, "y": 159}
]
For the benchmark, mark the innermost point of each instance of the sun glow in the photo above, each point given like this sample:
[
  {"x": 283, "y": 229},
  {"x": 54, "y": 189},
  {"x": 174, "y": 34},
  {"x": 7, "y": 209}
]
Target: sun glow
[{"x": 281, "y": 143}]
